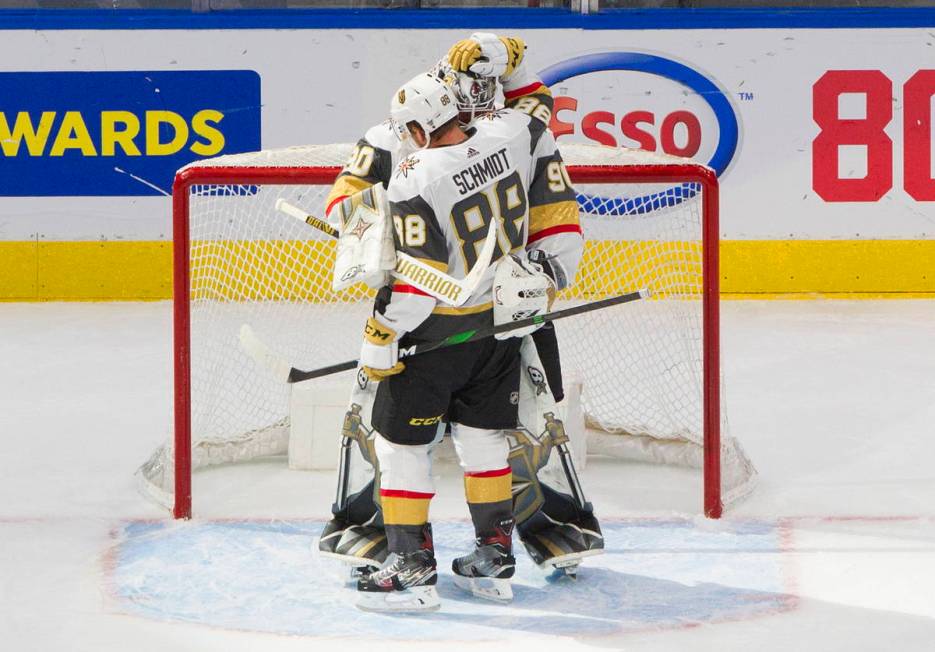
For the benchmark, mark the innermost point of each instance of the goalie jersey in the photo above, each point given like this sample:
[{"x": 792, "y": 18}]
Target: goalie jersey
[{"x": 443, "y": 199}]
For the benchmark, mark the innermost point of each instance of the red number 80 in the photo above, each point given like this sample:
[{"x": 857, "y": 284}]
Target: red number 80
[{"x": 869, "y": 131}]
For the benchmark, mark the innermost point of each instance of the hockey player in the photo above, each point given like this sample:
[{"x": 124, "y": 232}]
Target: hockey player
[
  {"x": 443, "y": 199},
  {"x": 488, "y": 59},
  {"x": 553, "y": 530}
]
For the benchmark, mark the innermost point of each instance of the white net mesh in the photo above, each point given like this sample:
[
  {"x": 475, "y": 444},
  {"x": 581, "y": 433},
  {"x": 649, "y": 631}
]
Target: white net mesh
[{"x": 640, "y": 363}]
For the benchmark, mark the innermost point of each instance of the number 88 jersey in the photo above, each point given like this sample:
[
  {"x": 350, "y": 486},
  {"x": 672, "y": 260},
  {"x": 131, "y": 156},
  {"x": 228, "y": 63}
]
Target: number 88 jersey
[{"x": 443, "y": 199}]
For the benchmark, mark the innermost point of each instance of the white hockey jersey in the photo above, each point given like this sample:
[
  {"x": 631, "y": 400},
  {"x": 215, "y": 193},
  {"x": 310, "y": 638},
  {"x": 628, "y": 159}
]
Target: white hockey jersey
[
  {"x": 372, "y": 161},
  {"x": 443, "y": 200},
  {"x": 377, "y": 154}
]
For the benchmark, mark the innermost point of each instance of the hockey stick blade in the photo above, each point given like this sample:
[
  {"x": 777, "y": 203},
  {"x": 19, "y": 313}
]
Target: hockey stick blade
[
  {"x": 458, "y": 291},
  {"x": 261, "y": 354},
  {"x": 298, "y": 375}
]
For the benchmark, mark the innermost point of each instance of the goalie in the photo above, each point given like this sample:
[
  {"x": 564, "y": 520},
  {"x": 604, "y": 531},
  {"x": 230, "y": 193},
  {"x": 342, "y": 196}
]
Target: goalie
[{"x": 556, "y": 530}]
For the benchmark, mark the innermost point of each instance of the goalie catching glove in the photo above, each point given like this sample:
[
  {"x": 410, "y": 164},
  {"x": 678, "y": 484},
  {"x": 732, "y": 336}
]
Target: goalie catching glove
[
  {"x": 379, "y": 354},
  {"x": 487, "y": 55},
  {"x": 521, "y": 289}
]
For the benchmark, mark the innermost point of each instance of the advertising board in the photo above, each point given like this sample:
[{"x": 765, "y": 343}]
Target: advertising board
[
  {"x": 821, "y": 137},
  {"x": 96, "y": 133}
]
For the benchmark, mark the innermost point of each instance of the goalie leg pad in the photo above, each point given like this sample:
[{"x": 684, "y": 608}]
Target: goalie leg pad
[
  {"x": 560, "y": 534},
  {"x": 357, "y": 545},
  {"x": 356, "y": 536}
]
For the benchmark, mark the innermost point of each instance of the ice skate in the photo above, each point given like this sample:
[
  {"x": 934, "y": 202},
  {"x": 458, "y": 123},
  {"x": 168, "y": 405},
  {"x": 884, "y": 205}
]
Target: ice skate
[
  {"x": 405, "y": 583},
  {"x": 486, "y": 572}
]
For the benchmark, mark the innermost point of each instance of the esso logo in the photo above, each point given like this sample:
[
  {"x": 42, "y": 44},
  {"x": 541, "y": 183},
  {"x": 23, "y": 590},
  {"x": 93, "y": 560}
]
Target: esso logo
[
  {"x": 644, "y": 101},
  {"x": 637, "y": 126}
]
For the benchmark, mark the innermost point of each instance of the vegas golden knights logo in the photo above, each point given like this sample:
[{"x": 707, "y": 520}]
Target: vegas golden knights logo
[{"x": 401, "y": 96}]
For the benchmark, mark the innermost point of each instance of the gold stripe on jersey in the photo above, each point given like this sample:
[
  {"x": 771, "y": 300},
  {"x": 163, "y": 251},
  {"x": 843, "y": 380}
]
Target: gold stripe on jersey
[
  {"x": 347, "y": 184},
  {"x": 549, "y": 215},
  {"x": 468, "y": 310},
  {"x": 440, "y": 265}
]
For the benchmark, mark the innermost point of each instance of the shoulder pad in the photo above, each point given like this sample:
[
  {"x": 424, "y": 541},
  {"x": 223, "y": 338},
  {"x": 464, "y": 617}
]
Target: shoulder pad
[
  {"x": 384, "y": 137},
  {"x": 502, "y": 121}
]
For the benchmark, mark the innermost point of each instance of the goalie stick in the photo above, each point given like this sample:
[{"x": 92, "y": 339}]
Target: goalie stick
[
  {"x": 413, "y": 271},
  {"x": 263, "y": 356},
  {"x": 315, "y": 222}
]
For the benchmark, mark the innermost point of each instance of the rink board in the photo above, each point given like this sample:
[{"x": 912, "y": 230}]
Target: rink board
[
  {"x": 107, "y": 270},
  {"x": 818, "y": 122}
]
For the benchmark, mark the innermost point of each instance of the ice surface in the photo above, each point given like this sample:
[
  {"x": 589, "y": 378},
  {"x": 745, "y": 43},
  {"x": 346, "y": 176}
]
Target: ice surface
[
  {"x": 833, "y": 400},
  {"x": 261, "y": 577}
]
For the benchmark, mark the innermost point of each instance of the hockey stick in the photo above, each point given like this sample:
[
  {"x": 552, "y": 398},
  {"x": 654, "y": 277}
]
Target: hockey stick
[
  {"x": 413, "y": 271},
  {"x": 315, "y": 222},
  {"x": 281, "y": 369},
  {"x": 571, "y": 476}
]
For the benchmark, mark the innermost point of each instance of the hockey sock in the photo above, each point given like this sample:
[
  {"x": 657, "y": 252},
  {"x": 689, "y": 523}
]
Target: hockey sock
[
  {"x": 490, "y": 499},
  {"x": 405, "y": 514}
]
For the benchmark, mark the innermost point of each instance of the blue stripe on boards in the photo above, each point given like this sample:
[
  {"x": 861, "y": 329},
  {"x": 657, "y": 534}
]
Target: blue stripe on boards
[{"x": 487, "y": 18}]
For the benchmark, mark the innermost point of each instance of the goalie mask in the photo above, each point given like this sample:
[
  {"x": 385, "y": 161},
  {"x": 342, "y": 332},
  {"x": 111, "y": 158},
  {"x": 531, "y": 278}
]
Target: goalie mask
[{"x": 474, "y": 95}]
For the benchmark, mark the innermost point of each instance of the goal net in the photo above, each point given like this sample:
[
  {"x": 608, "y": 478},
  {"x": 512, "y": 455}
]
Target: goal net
[{"x": 649, "y": 370}]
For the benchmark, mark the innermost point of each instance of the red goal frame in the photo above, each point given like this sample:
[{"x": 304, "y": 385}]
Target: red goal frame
[{"x": 648, "y": 173}]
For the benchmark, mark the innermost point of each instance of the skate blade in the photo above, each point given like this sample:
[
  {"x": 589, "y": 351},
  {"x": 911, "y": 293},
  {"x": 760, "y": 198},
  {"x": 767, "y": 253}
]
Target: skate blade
[
  {"x": 414, "y": 600},
  {"x": 350, "y": 560},
  {"x": 562, "y": 573},
  {"x": 570, "y": 560},
  {"x": 488, "y": 588}
]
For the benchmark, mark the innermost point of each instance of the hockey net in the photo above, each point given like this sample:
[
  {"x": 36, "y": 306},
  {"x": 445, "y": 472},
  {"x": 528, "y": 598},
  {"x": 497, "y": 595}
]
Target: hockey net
[{"x": 649, "y": 370}]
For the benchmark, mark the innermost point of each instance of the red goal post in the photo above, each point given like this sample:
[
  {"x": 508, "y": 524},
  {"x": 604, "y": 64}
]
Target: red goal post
[{"x": 657, "y": 171}]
